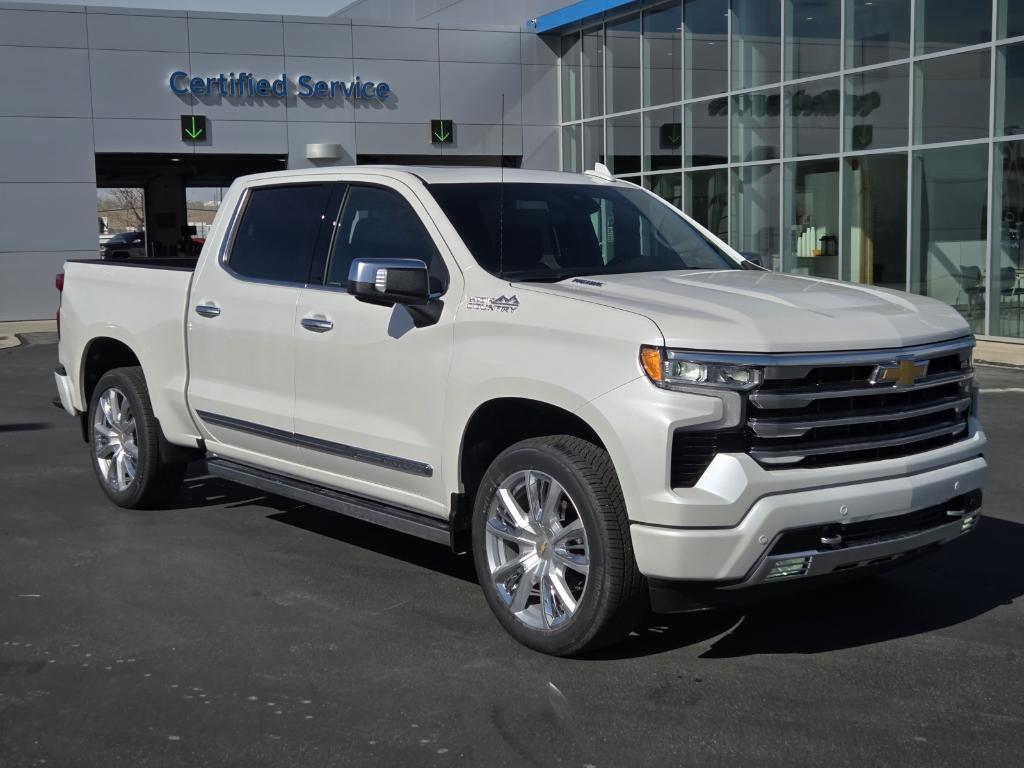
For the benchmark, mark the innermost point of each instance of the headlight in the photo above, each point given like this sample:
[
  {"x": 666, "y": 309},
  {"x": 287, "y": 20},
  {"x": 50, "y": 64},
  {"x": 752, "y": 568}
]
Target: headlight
[{"x": 683, "y": 372}]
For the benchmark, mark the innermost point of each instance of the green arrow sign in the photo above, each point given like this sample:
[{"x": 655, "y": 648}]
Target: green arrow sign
[
  {"x": 193, "y": 128},
  {"x": 671, "y": 135},
  {"x": 442, "y": 132}
]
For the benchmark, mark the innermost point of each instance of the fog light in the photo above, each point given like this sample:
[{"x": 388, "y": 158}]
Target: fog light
[{"x": 789, "y": 566}]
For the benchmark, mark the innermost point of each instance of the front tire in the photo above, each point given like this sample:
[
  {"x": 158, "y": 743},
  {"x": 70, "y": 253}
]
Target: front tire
[
  {"x": 552, "y": 547},
  {"x": 125, "y": 444}
]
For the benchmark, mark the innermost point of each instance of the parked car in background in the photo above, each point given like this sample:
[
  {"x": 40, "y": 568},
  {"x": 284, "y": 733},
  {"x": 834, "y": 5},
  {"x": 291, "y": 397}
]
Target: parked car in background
[{"x": 126, "y": 245}]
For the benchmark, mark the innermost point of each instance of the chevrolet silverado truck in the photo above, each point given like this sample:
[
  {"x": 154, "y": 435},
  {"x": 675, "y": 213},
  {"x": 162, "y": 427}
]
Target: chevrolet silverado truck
[{"x": 562, "y": 374}]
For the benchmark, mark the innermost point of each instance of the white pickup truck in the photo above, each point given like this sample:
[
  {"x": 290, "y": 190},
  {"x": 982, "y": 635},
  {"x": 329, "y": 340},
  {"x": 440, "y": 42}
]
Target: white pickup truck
[{"x": 606, "y": 404}]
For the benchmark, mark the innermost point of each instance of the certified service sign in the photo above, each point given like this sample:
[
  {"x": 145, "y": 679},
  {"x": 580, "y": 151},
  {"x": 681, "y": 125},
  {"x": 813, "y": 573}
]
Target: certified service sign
[{"x": 247, "y": 85}]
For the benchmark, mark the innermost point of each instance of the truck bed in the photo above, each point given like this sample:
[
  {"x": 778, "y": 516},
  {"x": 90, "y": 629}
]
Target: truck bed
[{"x": 142, "y": 304}]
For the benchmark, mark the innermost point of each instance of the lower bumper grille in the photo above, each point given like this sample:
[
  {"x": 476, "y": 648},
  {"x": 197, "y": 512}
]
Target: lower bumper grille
[{"x": 812, "y": 538}]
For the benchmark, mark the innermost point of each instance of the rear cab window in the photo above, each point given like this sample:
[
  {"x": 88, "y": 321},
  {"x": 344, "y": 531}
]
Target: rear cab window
[{"x": 279, "y": 232}]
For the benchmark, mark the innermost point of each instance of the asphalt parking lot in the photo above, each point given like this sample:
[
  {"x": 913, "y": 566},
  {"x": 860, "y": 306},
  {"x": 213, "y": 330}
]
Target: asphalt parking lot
[{"x": 237, "y": 629}]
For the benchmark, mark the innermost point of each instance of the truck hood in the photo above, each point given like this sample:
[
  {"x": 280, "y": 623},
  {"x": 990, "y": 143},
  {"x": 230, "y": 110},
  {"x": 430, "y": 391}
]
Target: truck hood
[{"x": 756, "y": 311}]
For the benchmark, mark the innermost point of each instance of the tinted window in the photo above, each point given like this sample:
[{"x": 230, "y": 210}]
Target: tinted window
[
  {"x": 553, "y": 231},
  {"x": 278, "y": 231},
  {"x": 378, "y": 223}
]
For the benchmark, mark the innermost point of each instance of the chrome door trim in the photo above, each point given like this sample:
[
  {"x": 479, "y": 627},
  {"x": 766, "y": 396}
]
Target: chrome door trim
[{"x": 364, "y": 455}]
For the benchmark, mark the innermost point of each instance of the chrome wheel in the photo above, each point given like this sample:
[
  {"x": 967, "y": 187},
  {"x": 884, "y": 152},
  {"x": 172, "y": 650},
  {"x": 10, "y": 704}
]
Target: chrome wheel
[
  {"x": 537, "y": 551},
  {"x": 115, "y": 439}
]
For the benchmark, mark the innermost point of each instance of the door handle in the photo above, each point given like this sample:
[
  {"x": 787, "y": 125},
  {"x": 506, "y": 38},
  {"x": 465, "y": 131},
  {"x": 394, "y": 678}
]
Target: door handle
[
  {"x": 207, "y": 310},
  {"x": 317, "y": 324}
]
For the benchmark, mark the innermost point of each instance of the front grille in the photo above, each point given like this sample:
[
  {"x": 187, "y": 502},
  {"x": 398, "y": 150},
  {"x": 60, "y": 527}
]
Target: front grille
[
  {"x": 828, "y": 412},
  {"x": 823, "y": 411}
]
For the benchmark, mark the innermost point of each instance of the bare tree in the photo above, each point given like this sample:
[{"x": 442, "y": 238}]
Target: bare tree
[{"x": 128, "y": 203}]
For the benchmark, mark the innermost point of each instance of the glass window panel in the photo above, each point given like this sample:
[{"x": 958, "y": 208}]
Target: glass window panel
[
  {"x": 945, "y": 24},
  {"x": 571, "y": 93},
  {"x": 812, "y": 218},
  {"x": 706, "y": 28},
  {"x": 754, "y": 213},
  {"x": 952, "y": 97},
  {"x": 277, "y": 234},
  {"x": 663, "y": 61},
  {"x": 663, "y": 139},
  {"x": 1010, "y": 90},
  {"x": 1007, "y": 278},
  {"x": 755, "y": 126},
  {"x": 812, "y": 37},
  {"x": 593, "y": 73},
  {"x": 667, "y": 186},
  {"x": 707, "y": 199},
  {"x": 624, "y": 144},
  {"x": 948, "y": 228},
  {"x": 572, "y": 149},
  {"x": 707, "y": 132},
  {"x": 756, "y": 44},
  {"x": 877, "y": 31},
  {"x": 379, "y": 223},
  {"x": 876, "y": 108},
  {"x": 622, "y": 44},
  {"x": 593, "y": 144},
  {"x": 875, "y": 220},
  {"x": 1011, "y": 18},
  {"x": 813, "y": 118}
]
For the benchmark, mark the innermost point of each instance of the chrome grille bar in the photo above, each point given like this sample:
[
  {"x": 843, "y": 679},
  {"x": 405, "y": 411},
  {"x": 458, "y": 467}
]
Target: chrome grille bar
[
  {"x": 795, "y": 427},
  {"x": 801, "y": 398},
  {"x": 792, "y": 455}
]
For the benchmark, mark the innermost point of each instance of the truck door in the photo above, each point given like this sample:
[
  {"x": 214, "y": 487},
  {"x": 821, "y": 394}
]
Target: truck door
[
  {"x": 370, "y": 385},
  {"x": 242, "y": 320}
]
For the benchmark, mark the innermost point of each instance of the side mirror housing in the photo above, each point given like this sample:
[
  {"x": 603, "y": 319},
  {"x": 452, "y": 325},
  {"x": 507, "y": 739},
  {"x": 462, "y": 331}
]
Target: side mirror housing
[{"x": 390, "y": 281}]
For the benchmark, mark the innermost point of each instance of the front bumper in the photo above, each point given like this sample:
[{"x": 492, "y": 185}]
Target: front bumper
[{"x": 741, "y": 555}]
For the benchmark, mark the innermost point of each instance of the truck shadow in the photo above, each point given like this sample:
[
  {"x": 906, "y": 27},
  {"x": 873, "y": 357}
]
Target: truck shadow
[
  {"x": 962, "y": 581},
  {"x": 201, "y": 490}
]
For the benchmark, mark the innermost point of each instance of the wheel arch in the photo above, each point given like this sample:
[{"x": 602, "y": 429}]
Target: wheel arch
[
  {"x": 493, "y": 426},
  {"x": 103, "y": 354}
]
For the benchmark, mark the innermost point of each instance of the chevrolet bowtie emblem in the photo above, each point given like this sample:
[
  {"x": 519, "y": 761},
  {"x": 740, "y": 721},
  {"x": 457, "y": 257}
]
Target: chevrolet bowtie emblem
[{"x": 900, "y": 373}]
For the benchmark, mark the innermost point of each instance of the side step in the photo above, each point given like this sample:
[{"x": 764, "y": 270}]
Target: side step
[{"x": 378, "y": 512}]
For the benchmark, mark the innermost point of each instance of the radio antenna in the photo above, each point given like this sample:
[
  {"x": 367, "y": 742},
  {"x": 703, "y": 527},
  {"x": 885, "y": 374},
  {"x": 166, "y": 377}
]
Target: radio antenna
[{"x": 501, "y": 194}]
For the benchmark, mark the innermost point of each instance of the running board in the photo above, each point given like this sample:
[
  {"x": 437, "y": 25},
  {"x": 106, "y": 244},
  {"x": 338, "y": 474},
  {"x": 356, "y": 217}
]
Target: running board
[{"x": 369, "y": 510}]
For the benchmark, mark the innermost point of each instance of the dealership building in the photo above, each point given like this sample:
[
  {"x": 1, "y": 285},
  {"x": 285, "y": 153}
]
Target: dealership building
[{"x": 877, "y": 141}]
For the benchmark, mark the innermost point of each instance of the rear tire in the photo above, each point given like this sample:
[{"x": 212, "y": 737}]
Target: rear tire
[
  {"x": 125, "y": 443},
  {"x": 552, "y": 547}
]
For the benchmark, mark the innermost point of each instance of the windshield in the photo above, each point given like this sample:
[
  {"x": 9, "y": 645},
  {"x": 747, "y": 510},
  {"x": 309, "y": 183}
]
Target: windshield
[
  {"x": 122, "y": 238},
  {"x": 554, "y": 231}
]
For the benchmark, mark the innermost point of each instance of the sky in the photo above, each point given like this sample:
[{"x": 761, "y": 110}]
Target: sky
[{"x": 291, "y": 8}]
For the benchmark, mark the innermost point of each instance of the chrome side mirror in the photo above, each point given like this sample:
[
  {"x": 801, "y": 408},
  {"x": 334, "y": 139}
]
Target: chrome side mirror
[{"x": 390, "y": 281}]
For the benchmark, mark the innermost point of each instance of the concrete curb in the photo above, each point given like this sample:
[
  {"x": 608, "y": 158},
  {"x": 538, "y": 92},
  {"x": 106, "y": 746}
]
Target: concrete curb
[{"x": 12, "y": 333}]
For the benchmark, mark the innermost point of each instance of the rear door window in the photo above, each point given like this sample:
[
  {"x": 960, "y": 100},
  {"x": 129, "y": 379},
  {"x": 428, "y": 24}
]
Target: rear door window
[{"x": 278, "y": 233}]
